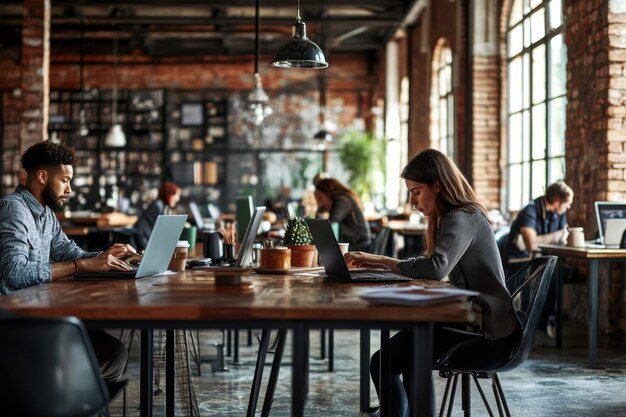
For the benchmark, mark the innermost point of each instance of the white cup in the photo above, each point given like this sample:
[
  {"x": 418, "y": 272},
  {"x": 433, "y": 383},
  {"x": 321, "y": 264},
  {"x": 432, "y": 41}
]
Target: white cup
[
  {"x": 343, "y": 247},
  {"x": 576, "y": 237}
]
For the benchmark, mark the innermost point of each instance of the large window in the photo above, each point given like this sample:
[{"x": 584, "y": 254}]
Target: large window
[
  {"x": 536, "y": 99},
  {"x": 442, "y": 101}
]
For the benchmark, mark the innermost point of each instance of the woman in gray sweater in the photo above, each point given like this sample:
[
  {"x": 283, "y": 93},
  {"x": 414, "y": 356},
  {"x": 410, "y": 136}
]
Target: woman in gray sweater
[{"x": 460, "y": 245}]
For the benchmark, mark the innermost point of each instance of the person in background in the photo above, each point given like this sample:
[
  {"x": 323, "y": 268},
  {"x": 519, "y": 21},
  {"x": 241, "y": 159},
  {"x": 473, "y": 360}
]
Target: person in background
[
  {"x": 344, "y": 207},
  {"x": 461, "y": 246},
  {"x": 543, "y": 220},
  {"x": 169, "y": 195},
  {"x": 34, "y": 249}
]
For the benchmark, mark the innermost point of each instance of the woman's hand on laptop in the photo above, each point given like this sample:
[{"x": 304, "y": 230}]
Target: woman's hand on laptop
[{"x": 367, "y": 260}]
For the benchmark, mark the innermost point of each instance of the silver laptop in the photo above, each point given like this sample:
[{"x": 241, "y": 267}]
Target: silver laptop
[
  {"x": 156, "y": 258},
  {"x": 609, "y": 210},
  {"x": 332, "y": 258}
]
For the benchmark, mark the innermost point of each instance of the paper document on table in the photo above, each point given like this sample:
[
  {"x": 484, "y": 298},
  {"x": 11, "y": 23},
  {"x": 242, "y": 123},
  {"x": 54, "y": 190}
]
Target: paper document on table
[{"x": 415, "y": 295}]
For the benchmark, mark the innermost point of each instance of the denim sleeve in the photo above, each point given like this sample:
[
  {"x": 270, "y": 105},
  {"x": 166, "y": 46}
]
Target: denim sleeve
[
  {"x": 62, "y": 248},
  {"x": 18, "y": 269}
]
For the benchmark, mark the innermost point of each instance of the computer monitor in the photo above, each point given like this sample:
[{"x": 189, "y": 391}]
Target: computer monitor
[{"x": 608, "y": 210}]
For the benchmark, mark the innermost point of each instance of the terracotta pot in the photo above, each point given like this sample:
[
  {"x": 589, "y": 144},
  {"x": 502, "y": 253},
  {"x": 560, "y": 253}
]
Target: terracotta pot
[
  {"x": 275, "y": 258},
  {"x": 302, "y": 255}
]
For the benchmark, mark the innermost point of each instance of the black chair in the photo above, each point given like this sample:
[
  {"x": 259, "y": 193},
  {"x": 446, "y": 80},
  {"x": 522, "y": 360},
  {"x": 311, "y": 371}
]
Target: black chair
[
  {"x": 380, "y": 244},
  {"x": 48, "y": 369},
  {"x": 479, "y": 359}
]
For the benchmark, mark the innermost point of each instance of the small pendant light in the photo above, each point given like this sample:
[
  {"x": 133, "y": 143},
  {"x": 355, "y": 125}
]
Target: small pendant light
[
  {"x": 258, "y": 100},
  {"x": 299, "y": 51},
  {"x": 115, "y": 137}
]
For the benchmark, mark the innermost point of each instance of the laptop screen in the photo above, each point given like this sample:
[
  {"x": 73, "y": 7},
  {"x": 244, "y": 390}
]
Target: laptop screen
[
  {"x": 244, "y": 258},
  {"x": 608, "y": 210}
]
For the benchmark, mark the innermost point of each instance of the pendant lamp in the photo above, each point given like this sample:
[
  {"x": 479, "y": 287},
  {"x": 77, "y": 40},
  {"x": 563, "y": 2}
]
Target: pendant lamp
[
  {"x": 115, "y": 136},
  {"x": 299, "y": 51},
  {"x": 323, "y": 136},
  {"x": 83, "y": 129},
  {"x": 258, "y": 100}
]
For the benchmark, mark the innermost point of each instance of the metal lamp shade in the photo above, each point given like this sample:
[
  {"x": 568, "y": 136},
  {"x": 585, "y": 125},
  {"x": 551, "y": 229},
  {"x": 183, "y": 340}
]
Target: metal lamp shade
[
  {"x": 323, "y": 136},
  {"x": 115, "y": 137},
  {"x": 299, "y": 51}
]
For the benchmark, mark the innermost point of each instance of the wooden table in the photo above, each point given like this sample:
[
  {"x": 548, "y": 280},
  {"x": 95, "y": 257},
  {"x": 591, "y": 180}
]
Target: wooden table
[
  {"x": 593, "y": 256},
  {"x": 100, "y": 220},
  {"x": 192, "y": 300}
]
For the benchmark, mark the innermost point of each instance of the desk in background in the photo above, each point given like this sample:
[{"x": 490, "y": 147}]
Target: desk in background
[
  {"x": 192, "y": 300},
  {"x": 593, "y": 256}
]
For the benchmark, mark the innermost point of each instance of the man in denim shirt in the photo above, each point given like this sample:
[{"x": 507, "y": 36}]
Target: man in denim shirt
[{"x": 33, "y": 248}]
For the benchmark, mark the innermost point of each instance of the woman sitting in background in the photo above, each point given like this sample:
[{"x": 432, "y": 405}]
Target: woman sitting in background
[
  {"x": 169, "y": 194},
  {"x": 344, "y": 207}
]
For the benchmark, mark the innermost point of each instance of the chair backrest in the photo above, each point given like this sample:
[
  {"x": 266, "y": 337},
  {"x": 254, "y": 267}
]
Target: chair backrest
[
  {"x": 528, "y": 288},
  {"x": 48, "y": 369},
  {"x": 380, "y": 242}
]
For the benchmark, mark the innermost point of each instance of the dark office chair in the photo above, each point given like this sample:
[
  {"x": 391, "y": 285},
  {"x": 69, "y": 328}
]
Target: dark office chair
[
  {"x": 474, "y": 358},
  {"x": 380, "y": 244},
  {"x": 48, "y": 369}
]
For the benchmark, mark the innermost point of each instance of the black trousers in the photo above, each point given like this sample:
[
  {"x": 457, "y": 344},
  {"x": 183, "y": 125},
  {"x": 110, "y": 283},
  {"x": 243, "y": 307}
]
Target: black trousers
[{"x": 111, "y": 354}]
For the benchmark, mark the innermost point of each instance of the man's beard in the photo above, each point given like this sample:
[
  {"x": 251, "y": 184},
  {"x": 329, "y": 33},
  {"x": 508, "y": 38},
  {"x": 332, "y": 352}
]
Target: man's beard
[{"x": 51, "y": 199}]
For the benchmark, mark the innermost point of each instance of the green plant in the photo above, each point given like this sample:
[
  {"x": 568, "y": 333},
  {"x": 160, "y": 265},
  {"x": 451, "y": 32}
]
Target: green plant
[
  {"x": 363, "y": 156},
  {"x": 297, "y": 232}
]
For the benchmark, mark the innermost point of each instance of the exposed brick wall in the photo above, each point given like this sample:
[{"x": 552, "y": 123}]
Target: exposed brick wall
[{"x": 35, "y": 64}]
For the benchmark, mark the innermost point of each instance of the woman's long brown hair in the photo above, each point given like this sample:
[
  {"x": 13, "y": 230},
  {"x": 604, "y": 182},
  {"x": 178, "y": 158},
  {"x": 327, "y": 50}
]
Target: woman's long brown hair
[
  {"x": 431, "y": 166},
  {"x": 335, "y": 189}
]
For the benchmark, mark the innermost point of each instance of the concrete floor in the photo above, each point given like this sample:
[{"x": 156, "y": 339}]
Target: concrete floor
[{"x": 552, "y": 382}]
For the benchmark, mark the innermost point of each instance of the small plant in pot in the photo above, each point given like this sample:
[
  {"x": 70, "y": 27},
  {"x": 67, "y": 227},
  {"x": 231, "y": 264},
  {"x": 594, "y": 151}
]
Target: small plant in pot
[{"x": 298, "y": 238}]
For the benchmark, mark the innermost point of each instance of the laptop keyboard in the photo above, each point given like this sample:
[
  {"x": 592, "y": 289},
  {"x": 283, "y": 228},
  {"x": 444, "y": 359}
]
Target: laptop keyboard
[{"x": 377, "y": 276}]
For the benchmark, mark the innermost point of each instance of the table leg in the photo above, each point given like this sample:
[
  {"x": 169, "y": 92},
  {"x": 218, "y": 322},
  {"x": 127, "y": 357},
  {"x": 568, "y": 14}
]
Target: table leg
[
  {"x": 299, "y": 379},
  {"x": 558, "y": 276},
  {"x": 147, "y": 358},
  {"x": 364, "y": 369},
  {"x": 271, "y": 384},
  {"x": 421, "y": 397},
  {"x": 385, "y": 375},
  {"x": 170, "y": 371},
  {"x": 593, "y": 305}
]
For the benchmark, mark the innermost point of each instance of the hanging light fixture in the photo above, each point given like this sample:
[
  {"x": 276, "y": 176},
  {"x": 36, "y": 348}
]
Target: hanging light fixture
[
  {"x": 258, "y": 100},
  {"x": 115, "y": 136},
  {"x": 322, "y": 137},
  {"x": 83, "y": 129},
  {"x": 299, "y": 51}
]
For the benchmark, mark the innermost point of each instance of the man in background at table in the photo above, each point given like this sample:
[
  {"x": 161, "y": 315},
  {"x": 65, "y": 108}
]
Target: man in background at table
[
  {"x": 542, "y": 221},
  {"x": 34, "y": 250}
]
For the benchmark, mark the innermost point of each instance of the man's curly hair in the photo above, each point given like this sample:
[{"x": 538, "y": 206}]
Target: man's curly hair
[{"x": 48, "y": 154}]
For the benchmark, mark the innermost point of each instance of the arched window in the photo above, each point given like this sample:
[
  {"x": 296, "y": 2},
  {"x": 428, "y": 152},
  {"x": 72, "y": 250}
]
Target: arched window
[
  {"x": 536, "y": 57},
  {"x": 442, "y": 101}
]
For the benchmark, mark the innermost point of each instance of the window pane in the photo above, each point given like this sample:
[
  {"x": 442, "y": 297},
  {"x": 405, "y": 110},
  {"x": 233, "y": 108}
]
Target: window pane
[
  {"x": 539, "y": 131},
  {"x": 538, "y": 184},
  {"x": 556, "y": 18},
  {"x": 515, "y": 138},
  {"x": 516, "y": 12},
  {"x": 558, "y": 77},
  {"x": 515, "y": 187},
  {"x": 515, "y": 85},
  {"x": 535, "y": 3},
  {"x": 526, "y": 81},
  {"x": 526, "y": 32},
  {"x": 539, "y": 74},
  {"x": 556, "y": 125},
  {"x": 557, "y": 170},
  {"x": 515, "y": 41},
  {"x": 443, "y": 119},
  {"x": 526, "y": 135},
  {"x": 537, "y": 25},
  {"x": 526, "y": 196}
]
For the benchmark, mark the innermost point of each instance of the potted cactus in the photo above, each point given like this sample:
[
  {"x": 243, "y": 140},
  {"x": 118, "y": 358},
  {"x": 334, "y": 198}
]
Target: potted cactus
[{"x": 298, "y": 238}]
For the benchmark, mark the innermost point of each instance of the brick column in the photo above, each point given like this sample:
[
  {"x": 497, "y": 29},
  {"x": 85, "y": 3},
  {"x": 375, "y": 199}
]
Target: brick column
[{"x": 35, "y": 72}]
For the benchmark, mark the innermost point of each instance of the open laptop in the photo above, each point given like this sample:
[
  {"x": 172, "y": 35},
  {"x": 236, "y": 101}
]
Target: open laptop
[
  {"x": 608, "y": 230},
  {"x": 156, "y": 258},
  {"x": 201, "y": 222},
  {"x": 334, "y": 264},
  {"x": 244, "y": 257}
]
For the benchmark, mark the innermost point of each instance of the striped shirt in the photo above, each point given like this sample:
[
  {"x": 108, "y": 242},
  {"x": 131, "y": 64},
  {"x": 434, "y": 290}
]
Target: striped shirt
[{"x": 30, "y": 239}]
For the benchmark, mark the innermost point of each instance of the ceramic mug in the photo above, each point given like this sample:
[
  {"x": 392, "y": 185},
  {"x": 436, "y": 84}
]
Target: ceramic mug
[{"x": 576, "y": 237}]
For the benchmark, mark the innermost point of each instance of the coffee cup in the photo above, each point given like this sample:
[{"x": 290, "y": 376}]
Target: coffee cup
[
  {"x": 276, "y": 258},
  {"x": 576, "y": 237},
  {"x": 179, "y": 257},
  {"x": 343, "y": 247}
]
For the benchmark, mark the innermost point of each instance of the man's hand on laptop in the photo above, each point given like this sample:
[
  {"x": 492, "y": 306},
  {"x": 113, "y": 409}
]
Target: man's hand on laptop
[{"x": 111, "y": 259}]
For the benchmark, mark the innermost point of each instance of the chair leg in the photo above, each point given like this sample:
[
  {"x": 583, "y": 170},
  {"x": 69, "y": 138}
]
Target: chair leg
[
  {"x": 456, "y": 379},
  {"x": 500, "y": 394},
  {"x": 465, "y": 395},
  {"x": 482, "y": 395},
  {"x": 445, "y": 395}
]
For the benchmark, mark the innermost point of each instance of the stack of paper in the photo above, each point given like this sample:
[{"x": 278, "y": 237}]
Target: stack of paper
[{"x": 415, "y": 295}]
